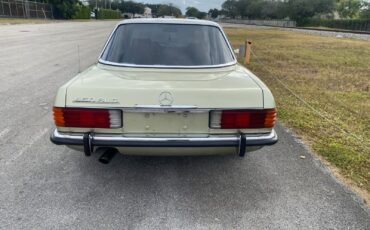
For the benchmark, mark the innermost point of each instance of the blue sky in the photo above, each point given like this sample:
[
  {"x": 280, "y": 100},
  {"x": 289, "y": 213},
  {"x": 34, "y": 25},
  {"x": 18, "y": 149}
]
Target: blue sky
[{"x": 203, "y": 5}]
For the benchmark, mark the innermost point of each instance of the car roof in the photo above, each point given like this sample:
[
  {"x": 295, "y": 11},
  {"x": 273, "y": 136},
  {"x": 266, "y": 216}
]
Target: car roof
[{"x": 169, "y": 21}]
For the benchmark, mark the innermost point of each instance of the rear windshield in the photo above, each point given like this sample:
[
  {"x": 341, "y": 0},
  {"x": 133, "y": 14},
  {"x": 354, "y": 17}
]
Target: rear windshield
[{"x": 168, "y": 45}]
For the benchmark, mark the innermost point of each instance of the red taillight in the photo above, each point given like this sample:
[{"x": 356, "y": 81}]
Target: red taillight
[
  {"x": 87, "y": 118},
  {"x": 243, "y": 119}
]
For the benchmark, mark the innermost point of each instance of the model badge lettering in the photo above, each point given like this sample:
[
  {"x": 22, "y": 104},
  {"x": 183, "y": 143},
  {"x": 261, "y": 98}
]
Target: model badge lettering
[{"x": 96, "y": 100}]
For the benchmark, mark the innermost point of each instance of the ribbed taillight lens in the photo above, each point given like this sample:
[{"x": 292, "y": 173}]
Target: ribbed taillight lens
[
  {"x": 87, "y": 118},
  {"x": 243, "y": 119}
]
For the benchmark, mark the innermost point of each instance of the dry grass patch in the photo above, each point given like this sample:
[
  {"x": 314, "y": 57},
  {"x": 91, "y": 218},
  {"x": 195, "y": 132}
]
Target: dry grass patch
[
  {"x": 333, "y": 76},
  {"x": 13, "y": 21}
]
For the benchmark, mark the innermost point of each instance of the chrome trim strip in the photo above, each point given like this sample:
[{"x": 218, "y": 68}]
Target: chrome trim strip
[
  {"x": 165, "y": 106},
  {"x": 101, "y": 61},
  {"x": 122, "y": 141},
  {"x": 148, "y": 108},
  {"x": 255, "y": 137},
  {"x": 165, "y": 109}
]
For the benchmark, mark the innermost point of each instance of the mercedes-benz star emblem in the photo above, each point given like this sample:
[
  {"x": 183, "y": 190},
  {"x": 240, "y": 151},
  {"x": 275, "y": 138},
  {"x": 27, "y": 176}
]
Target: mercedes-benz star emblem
[{"x": 165, "y": 98}]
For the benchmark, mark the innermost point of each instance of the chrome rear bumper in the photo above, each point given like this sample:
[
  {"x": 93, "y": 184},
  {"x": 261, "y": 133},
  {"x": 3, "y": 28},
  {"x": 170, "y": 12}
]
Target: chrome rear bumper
[{"x": 90, "y": 140}]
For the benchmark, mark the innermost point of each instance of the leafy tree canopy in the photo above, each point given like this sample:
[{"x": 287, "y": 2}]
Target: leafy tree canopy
[
  {"x": 63, "y": 9},
  {"x": 194, "y": 12},
  {"x": 365, "y": 10},
  {"x": 169, "y": 10},
  {"x": 214, "y": 13},
  {"x": 275, "y": 9},
  {"x": 349, "y": 8}
]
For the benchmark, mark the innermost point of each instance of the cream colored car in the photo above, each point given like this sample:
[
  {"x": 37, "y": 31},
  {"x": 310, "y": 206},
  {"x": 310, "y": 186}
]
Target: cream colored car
[{"x": 165, "y": 87}]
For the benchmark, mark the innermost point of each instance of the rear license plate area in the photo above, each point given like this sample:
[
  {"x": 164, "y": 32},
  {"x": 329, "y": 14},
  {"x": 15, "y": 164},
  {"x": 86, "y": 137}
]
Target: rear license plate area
[{"x": 165, "y": 122}]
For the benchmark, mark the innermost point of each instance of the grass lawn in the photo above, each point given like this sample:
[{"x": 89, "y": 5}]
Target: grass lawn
[{"x": 333, "y": 76}]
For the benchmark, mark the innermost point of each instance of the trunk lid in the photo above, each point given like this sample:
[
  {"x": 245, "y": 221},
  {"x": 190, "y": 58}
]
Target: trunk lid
[
  {"x": 137, "y": 90},
  {"x": 104, "y": 86}
]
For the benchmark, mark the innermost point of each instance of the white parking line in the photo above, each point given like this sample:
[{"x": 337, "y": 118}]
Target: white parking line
[{"x": 33, "y": 139}]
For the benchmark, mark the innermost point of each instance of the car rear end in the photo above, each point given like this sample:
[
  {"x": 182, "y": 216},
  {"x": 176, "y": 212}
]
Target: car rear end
[
  {"x": 165, "y": 131},
  {"x": 194, "y": 102}
]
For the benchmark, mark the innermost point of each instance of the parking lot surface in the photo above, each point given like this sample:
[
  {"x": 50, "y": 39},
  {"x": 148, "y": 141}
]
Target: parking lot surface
[{"x": 43, "y": 186}]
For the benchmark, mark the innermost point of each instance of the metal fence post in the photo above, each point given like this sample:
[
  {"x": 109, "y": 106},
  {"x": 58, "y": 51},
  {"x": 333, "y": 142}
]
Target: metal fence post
[
  {"x": 23, "y": 9},
  {"x": 16, "y": 8},
  {"x": 2, "y": 7},
  {"x": 10, "y": 9}
]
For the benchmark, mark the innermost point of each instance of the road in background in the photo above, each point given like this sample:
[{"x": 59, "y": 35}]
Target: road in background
[{"x": 43, "y": 186}]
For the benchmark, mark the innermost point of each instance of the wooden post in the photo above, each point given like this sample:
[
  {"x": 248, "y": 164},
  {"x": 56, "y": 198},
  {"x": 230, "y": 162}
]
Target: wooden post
[{"x": 248, "y": 47}]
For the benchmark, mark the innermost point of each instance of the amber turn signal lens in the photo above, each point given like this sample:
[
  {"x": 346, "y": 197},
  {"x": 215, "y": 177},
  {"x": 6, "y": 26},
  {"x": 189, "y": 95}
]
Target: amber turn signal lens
[
  {"x": 87, "y": 118},
  {"x": 58, "y": 117},
  {"x": 270, "y": 118}
]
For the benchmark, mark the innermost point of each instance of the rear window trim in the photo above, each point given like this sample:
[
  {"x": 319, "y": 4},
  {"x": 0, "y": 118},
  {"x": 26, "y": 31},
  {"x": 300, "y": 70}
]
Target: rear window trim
[{"x": 102, "y": 61}]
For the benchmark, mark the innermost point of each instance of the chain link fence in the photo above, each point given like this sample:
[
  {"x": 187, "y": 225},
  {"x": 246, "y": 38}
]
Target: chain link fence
[{"x": 25, "y": 9}]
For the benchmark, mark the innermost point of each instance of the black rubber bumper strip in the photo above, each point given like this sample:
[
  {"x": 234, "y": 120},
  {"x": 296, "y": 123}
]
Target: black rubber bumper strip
[{"x": 87, "y": 144}]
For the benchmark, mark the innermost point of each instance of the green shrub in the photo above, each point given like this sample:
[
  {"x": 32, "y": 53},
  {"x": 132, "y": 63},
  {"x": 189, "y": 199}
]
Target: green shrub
[
  {"x": 346, "y": 24},
  {"x": 82, "y": 12},
  {"x": 109, "y": 14}
]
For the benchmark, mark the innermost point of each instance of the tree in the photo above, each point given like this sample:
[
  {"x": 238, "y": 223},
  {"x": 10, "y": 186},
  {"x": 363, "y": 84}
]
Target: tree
[
  {"x": 273, "y": 10},
  {"x": 202, "y": 15},
  {"x": 214, "y": 13},
  {"x": 251, "y": 9},
  {"x": 365, "y": 10},
  {"x": 301, "y": 10},
  {"x": 63, "y": 9},
  {"x": 132, "y": 7},
  {"x": 107, "y": 4},
  {"x": 169, "y": 10},
  {"x": 349, "y": 8},
  {"x": 298, "y": 10},
  {"x": 230, "y": 8},
  {"x": 192, "y": 12}
]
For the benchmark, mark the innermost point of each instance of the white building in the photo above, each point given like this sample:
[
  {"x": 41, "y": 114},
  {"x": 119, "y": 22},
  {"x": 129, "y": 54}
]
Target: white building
[{"x": 147, "y": 12}]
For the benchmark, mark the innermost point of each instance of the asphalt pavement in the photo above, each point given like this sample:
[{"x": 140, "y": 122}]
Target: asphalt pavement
[{"x": 43, "y": 186}]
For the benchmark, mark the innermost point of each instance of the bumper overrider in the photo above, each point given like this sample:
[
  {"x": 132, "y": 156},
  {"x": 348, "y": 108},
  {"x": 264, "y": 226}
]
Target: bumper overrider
[{"x": 91, "y": 140}]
